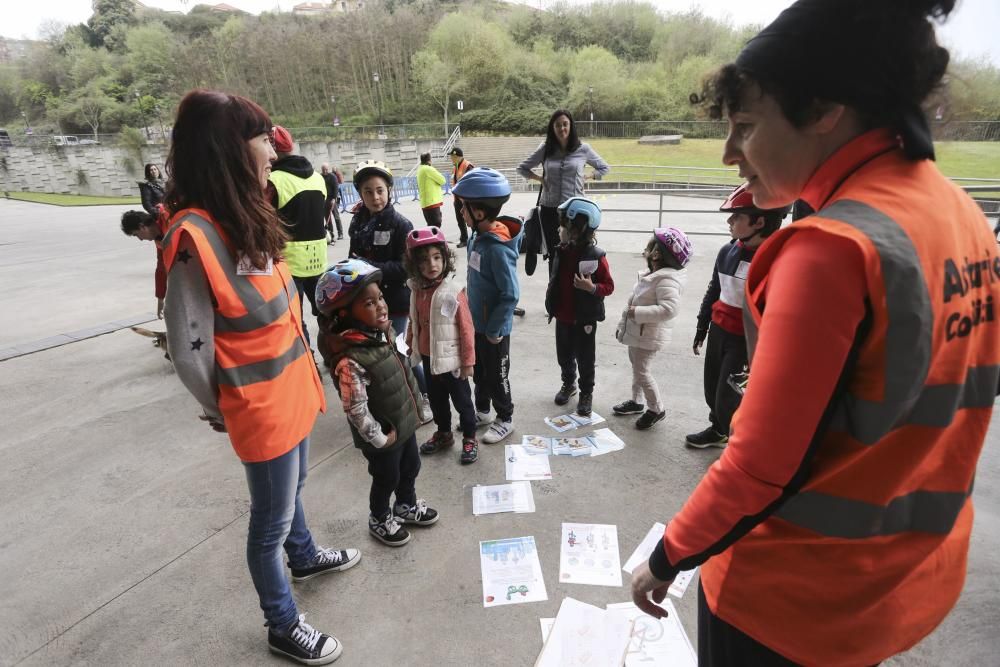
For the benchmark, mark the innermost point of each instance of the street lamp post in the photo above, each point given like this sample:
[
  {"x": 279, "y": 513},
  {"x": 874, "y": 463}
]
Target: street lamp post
[
  {"x": 142, "y": 113},
  {"x": 27, "y": 127},
  {"x": 590, "y": 105},
  {"x": 336, "y": 119},
  {"x": 378, "y": 91}
]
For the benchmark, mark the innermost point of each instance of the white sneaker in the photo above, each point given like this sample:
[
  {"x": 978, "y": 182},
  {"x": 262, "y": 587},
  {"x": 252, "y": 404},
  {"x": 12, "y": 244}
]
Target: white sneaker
[
  {"x": 482, "y": 419},
  {"x": 426, "y": 415},
  {"x": 498, "y": 431}
]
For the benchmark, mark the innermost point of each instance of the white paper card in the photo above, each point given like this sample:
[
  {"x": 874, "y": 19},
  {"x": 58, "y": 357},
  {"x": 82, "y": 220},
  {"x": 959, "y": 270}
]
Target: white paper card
[
  {"x": 511, "y": 572},
  {"x": 382, "y": 237},
  {"x": 580, "y": 420},
  {"x": 513, "y": 497},
  {"x": 449, "y": 306},
  {"x": 475, "y": 260},
  {"x": 583, "y": 634},
  {"x": 587, "y": 267},
  {"x": 641, "y": 554},
  {"x": 571, "y": 446},
  {"x": 523, "y": 465},
  {"x": 561, "y": 423},
  {"x": 604, "y": 441},
  {"x": 588, "y": 554},
  {"x": 546, "y": 624},
  {"x": 244, "y": 267},
  {"x": 659, "y": 642},
  {"x": 537, "y": 444}
]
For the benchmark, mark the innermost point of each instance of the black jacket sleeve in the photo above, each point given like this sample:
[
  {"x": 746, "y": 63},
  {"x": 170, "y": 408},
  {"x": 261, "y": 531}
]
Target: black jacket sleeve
[{"x": 712, "y": 293}]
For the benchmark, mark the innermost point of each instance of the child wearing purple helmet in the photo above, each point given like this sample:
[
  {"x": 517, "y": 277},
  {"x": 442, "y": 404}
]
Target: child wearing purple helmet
[{"x": 645, "y": 325}]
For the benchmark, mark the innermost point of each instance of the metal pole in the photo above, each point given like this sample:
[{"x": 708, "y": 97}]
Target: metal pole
[{"x": 659, "y": 220}]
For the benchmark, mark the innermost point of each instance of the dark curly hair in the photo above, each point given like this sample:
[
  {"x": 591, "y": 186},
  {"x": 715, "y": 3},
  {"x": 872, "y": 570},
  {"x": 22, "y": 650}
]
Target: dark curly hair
[{"x": 412, "y": 259}]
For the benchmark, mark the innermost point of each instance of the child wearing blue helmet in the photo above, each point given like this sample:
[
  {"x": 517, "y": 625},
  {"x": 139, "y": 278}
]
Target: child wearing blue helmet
[
  {"x": 493, "y": 290},
  {"x": 578, "y": 282}
]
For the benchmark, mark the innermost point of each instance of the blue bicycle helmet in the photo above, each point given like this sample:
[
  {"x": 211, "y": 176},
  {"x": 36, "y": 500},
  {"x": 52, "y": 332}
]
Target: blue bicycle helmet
[
  {"x": 484, "y": 186},
  {"x": 342, "y": 283},
  {"x": 575, "y": 206}
]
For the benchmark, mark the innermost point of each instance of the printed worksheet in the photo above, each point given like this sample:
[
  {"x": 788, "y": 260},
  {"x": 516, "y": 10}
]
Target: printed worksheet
[
  {"x": 588, "y": 554},
  {"x": 655, "y": 641},
  {"x": 513, "y": 497},
  {"x": 537, "y": 444},
  {"x": 561, "y": 423},
  {"x": 641, "y": 555},
  {"x": 511, "y": 572},
  {"x": 523, "y": 465},
  {"x": 604, "y": 441},
  {"x": 580, "y": 420},
  {"x": 571, "y": 446},
  {"x": 583, "y": 634}
]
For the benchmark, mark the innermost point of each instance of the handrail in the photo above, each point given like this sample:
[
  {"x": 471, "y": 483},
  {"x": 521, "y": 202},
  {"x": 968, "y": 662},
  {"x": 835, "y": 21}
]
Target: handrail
[{"x": 456, "y": 134}]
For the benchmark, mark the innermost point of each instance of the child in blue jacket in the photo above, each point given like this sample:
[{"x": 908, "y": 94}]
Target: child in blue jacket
[{"x": 493, "y": 291}]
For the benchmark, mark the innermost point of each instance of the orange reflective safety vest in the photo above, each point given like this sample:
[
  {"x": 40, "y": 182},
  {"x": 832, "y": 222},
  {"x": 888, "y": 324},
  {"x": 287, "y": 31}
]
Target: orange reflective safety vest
[
  {"x": 269, "y": 391},
  {"x": 870, "y": 554},
  {"x": 459, "y": 171}
]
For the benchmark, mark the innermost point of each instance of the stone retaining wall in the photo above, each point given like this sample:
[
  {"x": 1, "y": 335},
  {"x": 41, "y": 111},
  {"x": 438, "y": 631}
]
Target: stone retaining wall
[{"x": 114, "y": 170}]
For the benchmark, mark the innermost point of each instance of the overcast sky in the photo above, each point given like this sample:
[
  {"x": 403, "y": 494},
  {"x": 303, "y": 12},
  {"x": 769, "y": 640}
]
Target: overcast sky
[{"x": 971, "y": 31}]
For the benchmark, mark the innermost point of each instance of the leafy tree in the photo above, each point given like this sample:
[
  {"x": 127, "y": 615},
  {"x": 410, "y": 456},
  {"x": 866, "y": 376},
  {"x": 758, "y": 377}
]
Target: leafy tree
[
  {"x": 109, "y": 15},
  {"x": 436, "y": 80}
]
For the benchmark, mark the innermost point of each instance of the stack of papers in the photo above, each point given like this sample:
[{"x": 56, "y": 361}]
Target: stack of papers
[
  {"x": 525, "y": 465},
  {"x": 511, "y": 572},
  {"x": 582, "y": 634},
  {"x": 569, "y": 422},
  {"x": 601, "y": 441},
  {"x": 641, "y": 555},
  {"x": 588, "y": 554},
  {"x": 658, "y": 642},
  {"x": 514, "y": 497}
]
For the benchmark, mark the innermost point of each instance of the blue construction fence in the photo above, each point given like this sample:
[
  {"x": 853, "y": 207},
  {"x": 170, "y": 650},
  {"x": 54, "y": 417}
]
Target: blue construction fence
[{"x": 403, "y": 187}]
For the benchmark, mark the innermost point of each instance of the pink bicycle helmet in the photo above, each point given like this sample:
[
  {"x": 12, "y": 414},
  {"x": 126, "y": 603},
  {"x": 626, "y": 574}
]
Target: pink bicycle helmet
[
  {"x": 676, "y": 243},
  {"x": 424, "y": 236}
]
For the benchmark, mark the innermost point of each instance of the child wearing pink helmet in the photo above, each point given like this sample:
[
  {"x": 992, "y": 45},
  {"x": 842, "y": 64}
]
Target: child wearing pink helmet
[
  {"x": 442, "y": 338},
  {"x": 645, "y": 324}
]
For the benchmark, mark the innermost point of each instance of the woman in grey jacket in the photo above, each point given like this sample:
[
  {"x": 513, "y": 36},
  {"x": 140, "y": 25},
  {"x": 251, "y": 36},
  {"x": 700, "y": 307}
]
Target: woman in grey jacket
[{"x": 563, "y": 158}]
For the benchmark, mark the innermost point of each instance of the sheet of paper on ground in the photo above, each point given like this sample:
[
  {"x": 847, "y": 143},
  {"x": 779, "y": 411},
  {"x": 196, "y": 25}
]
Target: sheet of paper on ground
[
  {"x": 522, "y": 465},
  {"x": 513, "y": 497},
  {"x": 511, "y": 572},
  {"x": 641, "y": 555},
  {"x": 588, "y": 554},
  {"x": 656, "y": 641},
  {"x": 585, "y": 635},
  {"x": 569, "y": 422}
]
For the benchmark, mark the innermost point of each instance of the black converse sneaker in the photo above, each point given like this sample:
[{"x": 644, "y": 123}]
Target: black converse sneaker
[
  {"x": 327, "y": 560},
  {"x": 388, "y": 531},
  {"x": 305, "y": 644},
  {"x": 418, "y": 515},
  {"x": 628, "y": 407}
]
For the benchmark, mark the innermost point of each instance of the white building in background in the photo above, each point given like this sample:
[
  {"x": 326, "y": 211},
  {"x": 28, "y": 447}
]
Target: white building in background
[{"x": 319, "y": 8}]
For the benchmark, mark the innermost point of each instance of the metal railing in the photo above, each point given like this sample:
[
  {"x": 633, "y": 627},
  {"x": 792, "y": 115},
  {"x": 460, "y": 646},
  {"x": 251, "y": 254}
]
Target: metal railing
[{"x": 373, "y": 132}]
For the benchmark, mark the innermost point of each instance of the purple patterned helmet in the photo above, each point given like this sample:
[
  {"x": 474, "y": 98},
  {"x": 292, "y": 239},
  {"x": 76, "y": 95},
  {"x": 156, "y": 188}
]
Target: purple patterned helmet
[{"x": 676, "y": 243}]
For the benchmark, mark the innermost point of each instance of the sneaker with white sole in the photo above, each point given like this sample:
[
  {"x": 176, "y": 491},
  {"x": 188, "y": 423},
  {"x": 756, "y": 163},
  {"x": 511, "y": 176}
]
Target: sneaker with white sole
[
  {"x": 327, "y": 560},
  {"x": 418, "y": 515},
  {"x": 498, "y": 431},
  {"x": 304, "y": 644},
  {"x": 707, "y": 438},
  {"x": 388, "y": 530},
  {"x": 483, "y": 418},
  {"x": 426, "y": 415}
]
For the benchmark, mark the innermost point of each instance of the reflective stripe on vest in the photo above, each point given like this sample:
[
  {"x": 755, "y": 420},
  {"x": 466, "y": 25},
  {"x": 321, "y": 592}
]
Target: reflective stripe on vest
[
  {"x": 261, "y": 371},
  {"x": 907, "y": 400}
]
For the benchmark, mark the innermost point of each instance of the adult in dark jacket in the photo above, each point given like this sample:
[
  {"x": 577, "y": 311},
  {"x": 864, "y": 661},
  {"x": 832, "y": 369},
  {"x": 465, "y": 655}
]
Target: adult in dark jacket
[
  {"x": 151, "y": 191},
  {"x": 333, "y": 180}
]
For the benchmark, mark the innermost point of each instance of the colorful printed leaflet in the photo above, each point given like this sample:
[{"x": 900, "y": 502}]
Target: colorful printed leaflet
[
  {"x": 564, "y": 423},
  {"x": 601, "y": 441},
  {"x": 513, "y": 497},
  {"x": 588, "y": 554},
  {"x": 511, "y": 572},
  {"x": 582, "y": 634},
  {"x": 522, "y": 465},
  {"x": 641, "y": 555}
]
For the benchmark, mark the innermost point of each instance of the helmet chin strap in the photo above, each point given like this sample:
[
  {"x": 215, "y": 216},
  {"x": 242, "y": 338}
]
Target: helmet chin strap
[{"x": 745, "y": 239}]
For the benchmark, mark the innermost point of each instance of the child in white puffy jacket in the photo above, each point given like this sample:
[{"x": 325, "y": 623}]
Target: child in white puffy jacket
[{"x": 645, "y": 324}]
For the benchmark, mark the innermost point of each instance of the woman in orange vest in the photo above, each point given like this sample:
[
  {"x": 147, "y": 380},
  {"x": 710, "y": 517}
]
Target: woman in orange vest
[
  {"x": 834, "y": 529},
  {"x": 235, "y": 335}
]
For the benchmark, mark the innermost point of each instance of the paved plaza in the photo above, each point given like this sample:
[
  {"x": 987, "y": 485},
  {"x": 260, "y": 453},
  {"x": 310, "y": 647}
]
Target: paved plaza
[{"x": 122, "y": 535}]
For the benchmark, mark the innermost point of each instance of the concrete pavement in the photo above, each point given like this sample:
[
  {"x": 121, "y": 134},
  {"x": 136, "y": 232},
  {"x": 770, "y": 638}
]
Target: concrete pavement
[{"x": 123, "y": 532}]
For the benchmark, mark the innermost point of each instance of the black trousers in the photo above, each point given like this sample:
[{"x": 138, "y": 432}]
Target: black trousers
[
  {"x": 722, "y": 645},
  {"x": 307, "y": 292},
  {"x": 550, "y": 230},
  {"x": 333, "y": 214},
  {"x": 463, "y": 231},
  {"x": 432, "y": 216},
  {"x": 725, "y": 353},
  {"x": 576, "y": 349},
  {"x": 492, "y": 377},
  {"x": 393, "y": 471},
  {"x": 441, "y": 388}
]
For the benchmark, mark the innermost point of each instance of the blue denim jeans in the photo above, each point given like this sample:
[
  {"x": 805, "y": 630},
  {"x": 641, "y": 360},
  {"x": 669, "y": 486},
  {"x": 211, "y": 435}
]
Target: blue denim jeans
[
  {"x": 399, "y": 326},
  {"x": 277, "y": 520}
]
